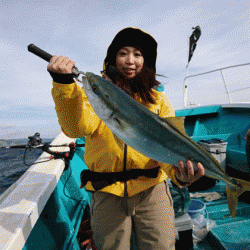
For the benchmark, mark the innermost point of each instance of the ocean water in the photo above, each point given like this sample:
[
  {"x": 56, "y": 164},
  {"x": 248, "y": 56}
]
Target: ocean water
[{"x": 12, "y": 166}]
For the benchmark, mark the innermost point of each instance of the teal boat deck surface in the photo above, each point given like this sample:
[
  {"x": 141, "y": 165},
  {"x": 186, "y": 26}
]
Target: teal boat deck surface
[{"x": 229, "y": 233}]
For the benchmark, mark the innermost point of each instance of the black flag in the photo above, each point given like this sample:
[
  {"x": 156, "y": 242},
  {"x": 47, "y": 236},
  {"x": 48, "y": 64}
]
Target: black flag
[{"x": 193, "y": 40}]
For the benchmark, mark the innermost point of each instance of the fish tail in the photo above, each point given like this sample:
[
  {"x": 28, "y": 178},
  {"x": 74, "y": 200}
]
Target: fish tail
[{"x": 234, "y": 192}]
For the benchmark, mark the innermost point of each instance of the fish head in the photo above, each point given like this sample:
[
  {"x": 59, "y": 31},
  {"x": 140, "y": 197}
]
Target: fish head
[
  {"x": 98, "y": 85},
  {"x": 101, "y": 95}
]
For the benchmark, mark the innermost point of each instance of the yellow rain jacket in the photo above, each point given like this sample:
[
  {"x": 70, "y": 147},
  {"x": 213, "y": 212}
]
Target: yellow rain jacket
[{"x": 104, "y": 152}]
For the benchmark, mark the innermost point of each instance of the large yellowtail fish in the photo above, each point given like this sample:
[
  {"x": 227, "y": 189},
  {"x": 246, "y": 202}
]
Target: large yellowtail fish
[{"x": 161, "y": 139}]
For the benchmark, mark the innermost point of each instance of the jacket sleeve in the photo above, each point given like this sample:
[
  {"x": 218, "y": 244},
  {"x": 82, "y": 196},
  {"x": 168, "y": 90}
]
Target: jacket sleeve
[{"x": 75, "y": 114}]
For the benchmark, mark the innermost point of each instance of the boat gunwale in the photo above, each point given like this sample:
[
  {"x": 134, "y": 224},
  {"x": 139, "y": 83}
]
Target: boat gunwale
[{"x": 22, "y": 204}]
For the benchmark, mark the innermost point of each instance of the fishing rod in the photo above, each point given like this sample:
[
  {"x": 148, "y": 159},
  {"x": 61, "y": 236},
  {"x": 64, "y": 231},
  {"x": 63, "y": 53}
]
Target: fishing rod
[{"x": 35, "y": 141}]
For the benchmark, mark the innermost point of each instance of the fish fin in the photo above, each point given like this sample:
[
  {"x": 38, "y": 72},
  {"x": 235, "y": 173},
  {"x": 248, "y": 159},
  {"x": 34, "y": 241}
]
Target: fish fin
[
  {"x": 119, "y": 142},
  {"x": 234, "y": 193},
  {"x": 177, "y": 122}
]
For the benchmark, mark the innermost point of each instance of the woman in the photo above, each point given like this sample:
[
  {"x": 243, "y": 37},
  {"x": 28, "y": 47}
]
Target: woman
[{"x": 141, "y": 203}]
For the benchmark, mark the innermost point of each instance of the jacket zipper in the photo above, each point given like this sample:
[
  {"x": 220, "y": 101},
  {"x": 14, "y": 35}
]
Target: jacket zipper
[{"x": 125, "y": 182}]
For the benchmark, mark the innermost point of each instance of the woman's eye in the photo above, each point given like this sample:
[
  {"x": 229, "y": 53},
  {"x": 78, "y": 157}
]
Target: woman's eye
[
  {"x": 137, "y": 54},
  {"x": 122, "y": 53}
]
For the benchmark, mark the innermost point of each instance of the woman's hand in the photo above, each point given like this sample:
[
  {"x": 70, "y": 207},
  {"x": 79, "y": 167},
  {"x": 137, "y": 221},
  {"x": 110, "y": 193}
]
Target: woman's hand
[
  {"x": 61, "y": 65},
  {"x": 187, "y": 174},
  {"x": 247, "y": 134}
]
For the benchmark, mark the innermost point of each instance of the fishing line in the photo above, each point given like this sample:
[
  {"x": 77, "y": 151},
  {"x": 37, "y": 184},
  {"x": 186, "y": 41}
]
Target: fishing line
[
  {"x": 26, "y": 164},
  {"x": 68, "y": 165}
]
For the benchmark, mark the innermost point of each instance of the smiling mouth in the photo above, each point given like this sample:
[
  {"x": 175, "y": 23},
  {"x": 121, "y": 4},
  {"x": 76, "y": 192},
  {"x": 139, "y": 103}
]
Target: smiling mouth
[{"x": 129, "y": 70}]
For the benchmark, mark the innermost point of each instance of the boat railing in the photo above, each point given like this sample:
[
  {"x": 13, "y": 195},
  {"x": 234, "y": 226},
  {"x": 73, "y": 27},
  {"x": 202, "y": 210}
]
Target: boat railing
[{"x": 224, "y": 81}]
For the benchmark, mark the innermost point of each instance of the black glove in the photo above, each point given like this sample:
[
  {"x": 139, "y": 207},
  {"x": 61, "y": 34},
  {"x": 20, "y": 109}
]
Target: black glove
[{"x": 62, "y": 78}]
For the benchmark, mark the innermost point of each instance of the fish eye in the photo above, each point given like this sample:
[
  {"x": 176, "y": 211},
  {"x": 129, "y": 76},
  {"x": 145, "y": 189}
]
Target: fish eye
[{"x": 95, "y": 89}]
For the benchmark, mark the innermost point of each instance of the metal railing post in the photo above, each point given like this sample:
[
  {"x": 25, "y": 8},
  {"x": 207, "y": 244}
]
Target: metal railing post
[{"x": 229, "y": 97}]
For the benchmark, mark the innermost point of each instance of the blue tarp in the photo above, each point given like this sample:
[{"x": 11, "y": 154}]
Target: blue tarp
[{"x": 58, "y": 224}]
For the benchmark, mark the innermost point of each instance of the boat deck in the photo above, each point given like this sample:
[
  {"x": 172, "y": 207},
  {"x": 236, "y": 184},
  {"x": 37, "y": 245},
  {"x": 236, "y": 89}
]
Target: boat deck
[
  {"x": 229, "y": 122},
  {"x": 229, "y": 233}
]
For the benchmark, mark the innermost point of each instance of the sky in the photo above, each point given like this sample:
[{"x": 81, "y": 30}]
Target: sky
[{"x": 83, "y": 30}]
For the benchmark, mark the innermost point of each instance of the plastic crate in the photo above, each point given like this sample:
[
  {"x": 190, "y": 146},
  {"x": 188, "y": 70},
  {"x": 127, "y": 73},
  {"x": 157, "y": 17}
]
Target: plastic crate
[{"x": 217, "y": 148}]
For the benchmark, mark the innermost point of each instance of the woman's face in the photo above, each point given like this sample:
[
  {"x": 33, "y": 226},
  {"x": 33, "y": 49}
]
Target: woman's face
[{"x": 129, "y": 62}]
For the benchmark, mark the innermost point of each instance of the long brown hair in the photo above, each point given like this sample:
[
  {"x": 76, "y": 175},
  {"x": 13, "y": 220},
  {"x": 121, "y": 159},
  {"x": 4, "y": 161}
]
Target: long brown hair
[{"x": 142, "y": 85}]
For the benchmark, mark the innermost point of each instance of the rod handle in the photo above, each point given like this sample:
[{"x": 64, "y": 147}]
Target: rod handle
[{"x": 39, "y": 52}]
